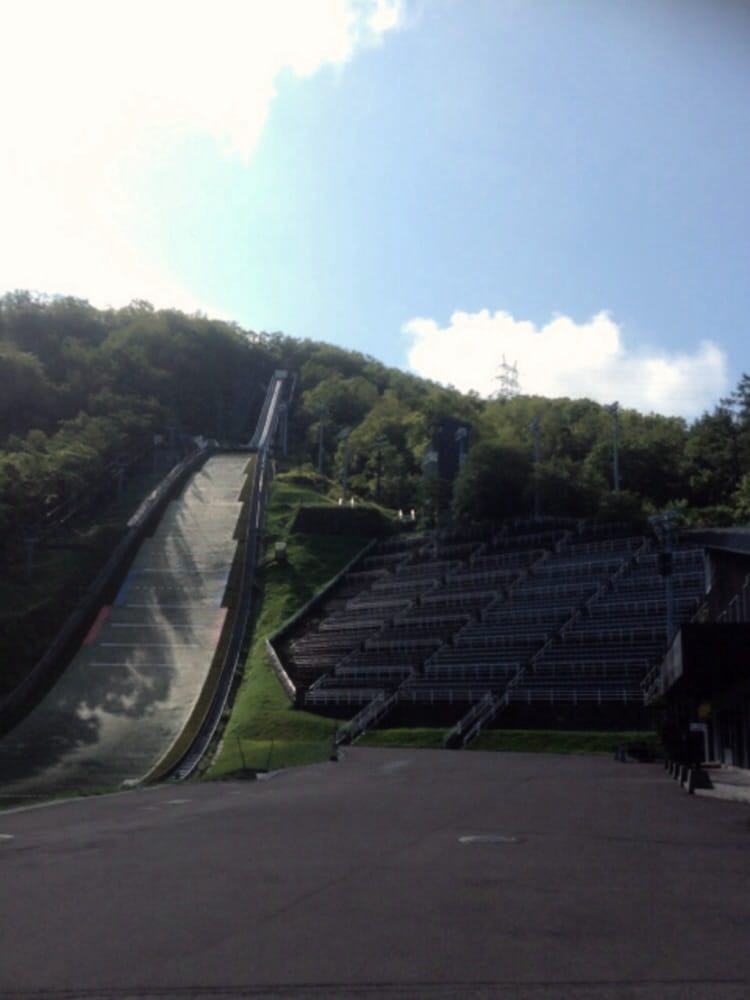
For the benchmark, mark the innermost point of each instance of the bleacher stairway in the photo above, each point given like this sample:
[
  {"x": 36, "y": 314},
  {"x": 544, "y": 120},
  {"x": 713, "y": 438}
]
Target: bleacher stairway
[{"x": 454, "y": 627}]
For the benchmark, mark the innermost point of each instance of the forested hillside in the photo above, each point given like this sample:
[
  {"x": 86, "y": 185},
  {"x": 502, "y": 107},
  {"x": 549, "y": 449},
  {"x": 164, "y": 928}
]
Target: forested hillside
[
  {"x": 702, "y": 468},
  {"x": 82, "y": 389}
]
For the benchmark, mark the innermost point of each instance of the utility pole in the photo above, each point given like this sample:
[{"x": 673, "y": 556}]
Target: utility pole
[
  {"x": 614, "y": 409},
  {"x": 534, "y": 427}
]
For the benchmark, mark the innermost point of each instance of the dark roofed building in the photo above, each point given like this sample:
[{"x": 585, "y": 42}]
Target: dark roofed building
[{"x": 705, "y": 676}]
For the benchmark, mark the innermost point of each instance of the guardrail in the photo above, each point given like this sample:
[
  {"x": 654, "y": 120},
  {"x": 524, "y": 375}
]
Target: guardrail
[
  {"x": 574, "y": 695},
  {"x": 277, "y": 666},
  {"x": 269, "y": 415},
  {"x": 465, "y": 726},
  {"x": 369, "y": 716}
]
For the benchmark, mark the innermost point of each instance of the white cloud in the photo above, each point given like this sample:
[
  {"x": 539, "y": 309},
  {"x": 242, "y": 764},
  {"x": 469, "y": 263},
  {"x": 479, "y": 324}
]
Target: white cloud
[
  {"x": 565, "y": 358},
  {"x": 385, "y": 16},
  {"x": 88, "y": 89}
]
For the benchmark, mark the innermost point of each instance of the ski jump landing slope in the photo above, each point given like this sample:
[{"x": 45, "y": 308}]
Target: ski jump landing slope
[{"x": 126, "y": 696}]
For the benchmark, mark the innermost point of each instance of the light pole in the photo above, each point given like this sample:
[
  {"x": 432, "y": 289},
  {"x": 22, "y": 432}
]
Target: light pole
[
  {"x": 663, "y": 525},
  {"x": 534, "y": 427},
  {"x": 344, "y": 436},
  {"x": 614, "y": 409},
  {"x": 462, "y": 441},
  {"x": 321, "y": 418},
  {"x": 379, "y": 442}
]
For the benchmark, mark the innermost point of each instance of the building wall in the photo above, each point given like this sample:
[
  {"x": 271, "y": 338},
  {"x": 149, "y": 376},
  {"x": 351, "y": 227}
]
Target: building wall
[{"x": 728, "y": 573}]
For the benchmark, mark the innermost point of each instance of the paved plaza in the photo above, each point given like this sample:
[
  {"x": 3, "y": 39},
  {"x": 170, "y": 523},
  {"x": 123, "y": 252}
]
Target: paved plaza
[{"x": 391, "y": 874}]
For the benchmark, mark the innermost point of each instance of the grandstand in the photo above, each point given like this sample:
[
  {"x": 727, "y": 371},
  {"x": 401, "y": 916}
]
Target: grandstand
[{"x": 541, "y": 620}]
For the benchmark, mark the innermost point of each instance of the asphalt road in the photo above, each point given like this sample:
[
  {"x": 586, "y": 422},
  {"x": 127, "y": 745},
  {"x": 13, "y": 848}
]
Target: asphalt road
[{"x": 389, "y": 874}]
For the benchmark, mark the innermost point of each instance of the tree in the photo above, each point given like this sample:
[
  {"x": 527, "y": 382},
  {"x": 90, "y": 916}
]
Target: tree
[
  {"x": 741, "y": 500},
  {"x": 713, "y": 458},
  {"x": 494, "y": 482},
  {"x": 26, "y": 395},
  {"x": 563, "y": 490}
]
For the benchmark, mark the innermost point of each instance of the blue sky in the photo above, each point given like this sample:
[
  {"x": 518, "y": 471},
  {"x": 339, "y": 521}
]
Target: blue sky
[{"x": 440, "y": 183}]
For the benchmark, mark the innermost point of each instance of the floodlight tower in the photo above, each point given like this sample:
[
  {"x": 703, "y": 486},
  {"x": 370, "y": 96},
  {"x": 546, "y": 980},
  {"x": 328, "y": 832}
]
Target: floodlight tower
[{"x": 614, "y": 409}]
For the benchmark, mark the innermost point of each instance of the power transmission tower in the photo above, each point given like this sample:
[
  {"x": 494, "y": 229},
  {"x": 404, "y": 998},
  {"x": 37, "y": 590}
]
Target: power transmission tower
[{"x": 507, "y": 377}]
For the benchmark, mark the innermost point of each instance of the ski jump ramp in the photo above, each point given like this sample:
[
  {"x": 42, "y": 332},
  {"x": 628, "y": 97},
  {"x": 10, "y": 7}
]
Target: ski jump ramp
[{"x": 130, "y": 690}]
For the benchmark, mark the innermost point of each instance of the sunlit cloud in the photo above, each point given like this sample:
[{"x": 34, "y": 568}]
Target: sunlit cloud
[
  {"x": 386, "y": 16},
  {"x": 91, "y": 90},
  {"x": 565, "y": 358}
]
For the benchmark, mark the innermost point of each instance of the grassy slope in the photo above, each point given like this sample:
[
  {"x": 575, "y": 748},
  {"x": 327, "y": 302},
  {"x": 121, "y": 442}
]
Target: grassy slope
[
  {"x": 559, "y": 741},
  {"x": 526, "y": 740},
  {"x": 264, "y": 731}
]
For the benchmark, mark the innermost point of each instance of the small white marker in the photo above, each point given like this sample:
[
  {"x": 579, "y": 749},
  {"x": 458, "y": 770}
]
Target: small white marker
[{"x": 6, "y": 836}]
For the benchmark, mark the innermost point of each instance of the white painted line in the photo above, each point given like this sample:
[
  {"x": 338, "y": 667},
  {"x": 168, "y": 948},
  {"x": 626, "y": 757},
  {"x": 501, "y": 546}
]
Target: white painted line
[
  {"x": 488, "y": 838},
  {"x": 6, "y": 836},
  {"x": 176, "y": 802},
  {"x": 394, "y": 765}
]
